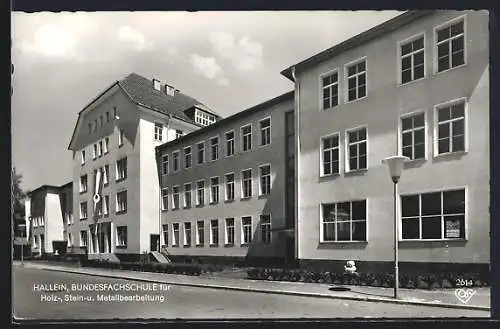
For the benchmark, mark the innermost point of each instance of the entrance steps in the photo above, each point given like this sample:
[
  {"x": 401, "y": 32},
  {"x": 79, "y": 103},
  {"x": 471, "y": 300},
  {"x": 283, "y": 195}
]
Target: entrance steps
[{"x": 160, "y": 257}]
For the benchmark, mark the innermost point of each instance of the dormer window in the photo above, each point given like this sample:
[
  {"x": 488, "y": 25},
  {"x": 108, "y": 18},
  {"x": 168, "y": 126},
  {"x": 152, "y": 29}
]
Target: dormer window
[
  {"x": 156, "y": 84},
  {"x": 204, "y": 118},
  {"x": 169, "y": 90}
]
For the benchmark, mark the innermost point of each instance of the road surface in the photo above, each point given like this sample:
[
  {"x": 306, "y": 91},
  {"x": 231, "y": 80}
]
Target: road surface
[{"x": 170, "y": 302}]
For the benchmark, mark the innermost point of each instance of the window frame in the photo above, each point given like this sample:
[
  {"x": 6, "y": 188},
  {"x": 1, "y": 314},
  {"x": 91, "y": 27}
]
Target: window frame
[
  {"x": 121, "y": 135},
  {"x": 435, "y": 144},
  {"x": 165, "y": 164},
  {"x": 261, "y": 226},
  {"x": 438, "y": 190},
  {"x": 211, "y": 195},
  {"x": 184, "y": 199},
  {"x": 261, "y": 194},
  {"x": 400, "y": 57},
  {"x": 203, "y": 160},
  {"x": 185, "y": 241},
  {"x": 198, "y": 203},
  {"x": 176, "y": 239},
  {"x": 179, "y": 165},
  {"x": 117, "y": 204},
  {"x": 164, "y": 197},
  {"x": 176, "y": 206},
  {"x": 243, "y": 242},
  {"x": 158, "y": 131},
  {"x": 184, "y": 154},
  {"x": 211, "y": 237},
  {"x": 321, "y": 155},
  {"x": 321, "y": 222},
  {"x": 226, "y": 141},
  {"x": 262, "y": 129},
  {"x": 81, "y": 212},
  {"x": 346, "y": 78},
  {"x": 226, "y": 199},
  {"x": 211, "y": 148},
  {"x": 118, "y": 244},
  {"x": 242, "y": 140},
  {"x": 435, "y": 46},
  {"x": 426, "y": 131},
  {"x": 118, "y": 177},
  {"x": 243, "y": 197},
  {"x": 200, "y": 242},
  {"x": 347, "y": 167},
  {"x": 321, "y": 88}
]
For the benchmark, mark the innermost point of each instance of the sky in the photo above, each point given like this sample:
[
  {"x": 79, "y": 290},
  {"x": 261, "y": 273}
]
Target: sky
[{"x": 229, "y": 61}]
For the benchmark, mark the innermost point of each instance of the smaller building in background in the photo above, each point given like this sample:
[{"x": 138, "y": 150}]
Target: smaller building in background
[{"x": 48, "y": 214}]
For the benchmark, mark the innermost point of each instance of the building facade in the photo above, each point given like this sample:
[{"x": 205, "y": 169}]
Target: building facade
[
  {"x": 44, "y": 215},
  {"x": 114, "y": 163},
  {"x": 417, "y": 85},
  {"x": 223, "y": 188}
]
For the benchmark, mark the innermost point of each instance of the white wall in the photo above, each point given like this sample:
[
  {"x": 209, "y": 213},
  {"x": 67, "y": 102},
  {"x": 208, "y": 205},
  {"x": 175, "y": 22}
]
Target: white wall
[{"x": 54, "y": 225}]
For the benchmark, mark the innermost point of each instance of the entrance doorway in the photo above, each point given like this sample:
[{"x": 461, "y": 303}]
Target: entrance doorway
[{"x": 154, "y": 242}]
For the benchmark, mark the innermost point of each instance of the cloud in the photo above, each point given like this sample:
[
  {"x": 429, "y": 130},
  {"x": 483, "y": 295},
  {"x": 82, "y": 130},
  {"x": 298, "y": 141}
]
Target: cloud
[
  {"x": 244, "y": 54},
  {"x": 51, "y": 41},
  {"x": 128, "y": 34},
  {"x": 208, "y": 67}
]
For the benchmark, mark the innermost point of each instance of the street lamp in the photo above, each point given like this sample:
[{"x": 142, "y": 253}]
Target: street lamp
[{"x": 395, "y": 165}]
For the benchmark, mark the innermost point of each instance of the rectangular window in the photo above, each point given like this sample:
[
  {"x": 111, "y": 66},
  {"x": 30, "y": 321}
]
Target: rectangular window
[
  {"x": 178, "y": 133},
  {"x": 94, "y": 153},
  {"x": 412, "y": 60},
  {"x": 200, "y": 193},
  {"x": 246, "y": 138},
  {"x": 158, "y": 133},
  {"x": 83, "y": 238},
  {"x": 106, "y": 145},
  {"x": 357, "y": 144},
  {"x": 229, "y": 143},
  {"x": 330, "y": 155},
  {"x": 165, "y": 234},
  {"x": 343, "y": 221},
  {"x": 450, "y": 46},
  {"x": 413, "y": 136},
  {"x": 95, "y": 125},
  {"x": 433, "y": 216},
  {"x": 100, "y": 149},
  {"x": 214, "y": 232},
  {"x": 187, "y": 157},
  {"x": 105, "y": 174},
  {"x": 176, "y": 165},
  {"x": 214, "y": 190},
  {"x": 164, "y": 165},
  {"x": 121, "y": 169},
  {"x": 90, "y": 128},
  {"x": 265, "y": 228},
  {"x": 175, "y": 235},
  {"x": 120, "y": 137},
  {"x": 356, "y": 80},
  {"x": 246, "y": 230},
  {"x": 200, "y": 158},
  {"x": 175, "y": 197},
  {"x": 107, "y": 116},
  {"x": 200, "y": 233},
  {"x": 83, "y": 210},
  {"x": 83, "y": 157},
  {"x": 83, "y": 183},
  {"x": 214, "y": 148},
  {"x": 121, "y": 202},
  {"x": 101, "y": 120},
  {"x": 229, "y": 231},
  {"x": 330, "y": 90},
  {"x": 450, "y": 128},
  {"x": 265, "y": 180},
  {"x": 265, "y": 131},
  {"x": 106, "y": 205},
  {"x": 187, "y": 234},
  {"x": 164, "y": 198},
  {"x": 187, "y": 195},
  {"x": 229, "y": 187},
  {"x": 115, "y": 113},
  {"x": 121, "y": 236},
  {"x": 246, "y": 183}
]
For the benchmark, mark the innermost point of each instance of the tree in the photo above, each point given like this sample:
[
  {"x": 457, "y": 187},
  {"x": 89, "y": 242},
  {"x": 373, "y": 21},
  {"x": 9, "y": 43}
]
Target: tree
[{"x": 18, "y": 195}]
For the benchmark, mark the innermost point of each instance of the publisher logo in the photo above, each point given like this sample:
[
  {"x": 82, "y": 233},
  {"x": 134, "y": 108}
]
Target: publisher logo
[{"x": 464, "y": 295}]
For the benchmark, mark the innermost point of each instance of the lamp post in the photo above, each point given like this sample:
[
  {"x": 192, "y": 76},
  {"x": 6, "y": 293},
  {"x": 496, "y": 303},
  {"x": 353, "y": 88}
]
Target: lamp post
[{"x": 395, "y": 165}]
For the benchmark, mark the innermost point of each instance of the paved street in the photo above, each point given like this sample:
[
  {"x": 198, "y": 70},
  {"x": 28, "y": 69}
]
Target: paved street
[{"x": 188, "y": 302}]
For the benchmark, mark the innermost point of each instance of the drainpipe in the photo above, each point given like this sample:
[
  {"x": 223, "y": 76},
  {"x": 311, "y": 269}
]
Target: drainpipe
[
  {"x": 297, "y": 162},
  {"x": 160, "y": 181}
]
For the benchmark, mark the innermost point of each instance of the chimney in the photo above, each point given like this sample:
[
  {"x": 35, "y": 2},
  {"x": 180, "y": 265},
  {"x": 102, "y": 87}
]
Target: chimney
[{"x": 156, "y": 84}]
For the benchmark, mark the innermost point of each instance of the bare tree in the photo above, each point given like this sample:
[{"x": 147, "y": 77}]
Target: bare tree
[{"x": 18, "y": 195}]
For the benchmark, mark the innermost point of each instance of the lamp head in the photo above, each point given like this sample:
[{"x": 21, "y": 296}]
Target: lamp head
[{"x": 395, "y": 165}]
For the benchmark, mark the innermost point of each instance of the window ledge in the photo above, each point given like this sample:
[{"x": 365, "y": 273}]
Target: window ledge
[
  {"x": 200, "y": 205},
  {"x": 356, "y": 172},
  {"x": 245, "y": 198},
  {"x": 246, "y": 244},
  {"x": 213, "y": 245},
  {"x": 187, "y": 246},
  {"x": 164, "y": 210},
  {"x": 186, "y": 207},
  {"x": 356, "y": 100},
  {"x": 120, "y": 145},
  {"x": 404, "y": 84},
  {"x": 329, "y": 108},
  {"x": 84, "y": 218},
  {"x": 119, "y": 180},
  {"x": 121, "y": 247},
  {"x": 263, "y": 196},
  {"x": 436, "y": 72},
  {"x": 214, "y": 203},
  {"x": 228, "y": 244},
  {"x": 83, "y": 192},
  {"x": 175, "y": 246},
  {"x": 449, "y": 155},
  {"x": 229, "y": 201},
  {"x": 432, "y": 240},
  {"x": 343, "y": 242},
  {"x": 200, "y": 245},
  {"x": 121, "y": 212},
  {"x": 329, "y": 176}
]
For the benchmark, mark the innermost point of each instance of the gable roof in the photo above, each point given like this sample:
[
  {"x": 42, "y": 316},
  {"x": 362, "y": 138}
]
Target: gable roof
[
  {"x": 358, "y": 40},
  {"x": 140, "y": 91}
]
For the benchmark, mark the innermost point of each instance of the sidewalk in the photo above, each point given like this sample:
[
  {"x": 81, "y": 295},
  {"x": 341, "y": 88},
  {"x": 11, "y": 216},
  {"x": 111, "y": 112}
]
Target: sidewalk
[{"x": 437, "y": 298}]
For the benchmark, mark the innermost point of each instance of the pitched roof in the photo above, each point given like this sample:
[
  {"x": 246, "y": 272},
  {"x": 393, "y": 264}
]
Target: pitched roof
[
  {"x": 358, "y": 40},
  {"x": 141, "y": 91}
]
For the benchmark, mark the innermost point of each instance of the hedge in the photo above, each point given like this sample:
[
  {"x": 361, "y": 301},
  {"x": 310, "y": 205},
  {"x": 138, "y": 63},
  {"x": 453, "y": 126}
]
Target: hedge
[
  {"x": 420, "y": 281},
  {"x": 171, "y": 268}
]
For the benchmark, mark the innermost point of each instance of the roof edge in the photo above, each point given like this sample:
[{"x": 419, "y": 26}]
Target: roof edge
[
  {"x": 358, "y": 40},
  {"x": 248, "y": 111}
]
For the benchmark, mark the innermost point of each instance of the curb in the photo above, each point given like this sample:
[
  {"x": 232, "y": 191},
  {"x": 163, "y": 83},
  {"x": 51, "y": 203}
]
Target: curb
[{"x": 280, "y": 292}]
